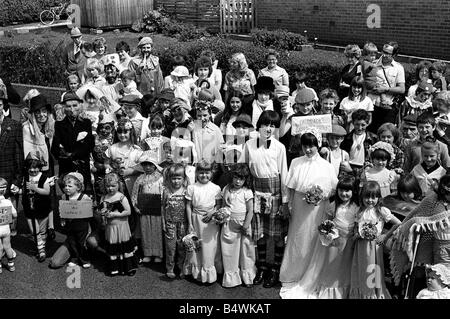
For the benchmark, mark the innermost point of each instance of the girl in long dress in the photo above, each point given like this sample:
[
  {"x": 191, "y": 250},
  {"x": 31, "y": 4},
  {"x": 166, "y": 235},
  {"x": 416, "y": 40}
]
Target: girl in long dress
[
  {"x": 304, "y": 255},
  {"x": 367, "y": 272},
  {"x": 334, "y": 281}
]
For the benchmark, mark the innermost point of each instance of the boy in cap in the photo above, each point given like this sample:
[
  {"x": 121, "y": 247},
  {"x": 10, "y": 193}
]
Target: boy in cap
[
  {"x": 182, "y": 123},
  {"x": 305, "y": 105},
  {"x": 333, "y": 152},
  {"x": 131, "y": 105},
  {"x": 408, "y": 129},
  {"x": 73, "y": 57}
]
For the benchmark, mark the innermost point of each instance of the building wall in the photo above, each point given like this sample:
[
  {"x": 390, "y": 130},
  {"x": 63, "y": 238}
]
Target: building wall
[{"x": 420, "y": 27}]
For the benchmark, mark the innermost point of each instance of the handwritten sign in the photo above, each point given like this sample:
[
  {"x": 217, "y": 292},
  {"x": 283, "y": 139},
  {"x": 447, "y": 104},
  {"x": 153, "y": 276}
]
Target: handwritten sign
[
  {"x": 5, "y": 215},
  {"x": 74, "y": 209},
  {"x": 321, "y": 122}
]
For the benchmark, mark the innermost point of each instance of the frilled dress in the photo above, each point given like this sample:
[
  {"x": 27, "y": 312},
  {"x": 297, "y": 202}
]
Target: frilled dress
[{"x": 304, "y": 255}]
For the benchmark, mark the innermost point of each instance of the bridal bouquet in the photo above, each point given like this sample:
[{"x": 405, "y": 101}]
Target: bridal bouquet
[
  {"x": 368, "y": 231},
  {"x": 221, "y": 216},
  {"x": 314, "y": 195},
  {"x": 327, "y": 232}
]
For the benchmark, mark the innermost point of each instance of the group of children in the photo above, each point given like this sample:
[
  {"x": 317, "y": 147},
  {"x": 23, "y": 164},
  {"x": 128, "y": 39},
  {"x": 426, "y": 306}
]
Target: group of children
[{"x": 203, "y": 184}]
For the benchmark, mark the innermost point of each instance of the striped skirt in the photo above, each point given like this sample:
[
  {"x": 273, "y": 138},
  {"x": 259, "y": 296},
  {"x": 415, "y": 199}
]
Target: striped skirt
[{"x": 269, "y": 225}]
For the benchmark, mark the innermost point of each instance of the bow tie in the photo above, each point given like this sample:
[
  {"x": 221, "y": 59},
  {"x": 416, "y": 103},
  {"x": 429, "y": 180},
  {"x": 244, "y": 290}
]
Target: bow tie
[{"x": 266, "y": 144}]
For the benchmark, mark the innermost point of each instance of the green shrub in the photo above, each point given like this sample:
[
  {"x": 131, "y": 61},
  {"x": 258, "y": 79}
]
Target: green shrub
[
  {"x": 25, "y": 11},
  {"x": 278, "y": 39}
]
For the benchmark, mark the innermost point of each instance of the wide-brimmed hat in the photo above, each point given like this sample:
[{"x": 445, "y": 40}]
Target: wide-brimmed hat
[
  {"x": 243, "y": 119},
  {"x": 264, "y": 84},
  {"x": 38, "y": 102},
  {"x": 305, "y": 95},
  {"x": 146, "y": 158},
  {"x": 75, "y": 33},
  {"x": 71, "y": 96},
  {"x": 180, "y": 71},
  {"x": 166, "y": 94}
]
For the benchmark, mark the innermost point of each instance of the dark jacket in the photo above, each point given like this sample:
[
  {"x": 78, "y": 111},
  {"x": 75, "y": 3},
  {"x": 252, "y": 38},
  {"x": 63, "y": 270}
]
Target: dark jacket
[
  {"x": 347, "y": 143},
  {"x": 11, "y": 154},
  {"x": 66, "y": 135}
]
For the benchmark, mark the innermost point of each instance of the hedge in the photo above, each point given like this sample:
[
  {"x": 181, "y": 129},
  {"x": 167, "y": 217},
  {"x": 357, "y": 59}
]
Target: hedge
[
  {"x": 42, "y": 64},
  {"x": 24, "y": 11}
]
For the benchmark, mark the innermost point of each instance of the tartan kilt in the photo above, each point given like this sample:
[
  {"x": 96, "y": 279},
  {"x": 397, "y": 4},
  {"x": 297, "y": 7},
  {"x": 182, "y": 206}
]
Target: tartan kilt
[{"x": 269, "y": 225}]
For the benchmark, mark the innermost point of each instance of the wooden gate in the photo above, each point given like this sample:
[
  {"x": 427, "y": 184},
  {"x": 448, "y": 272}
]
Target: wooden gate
[{"x": 237, "y": 16}]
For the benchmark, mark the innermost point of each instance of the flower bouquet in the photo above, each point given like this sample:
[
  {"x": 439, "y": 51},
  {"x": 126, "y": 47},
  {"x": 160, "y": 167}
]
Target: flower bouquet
[
  {"x": 314, "y": 195},
  {"x": 327, "y": 232},
  {"x": 368, "y": 231},
  {"x": 191, "y": 242},
  {"x": 221, "y": 216}
]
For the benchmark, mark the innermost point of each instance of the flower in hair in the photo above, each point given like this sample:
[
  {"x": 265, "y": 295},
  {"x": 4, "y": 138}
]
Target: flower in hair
[{"x": 315, "y": 132}]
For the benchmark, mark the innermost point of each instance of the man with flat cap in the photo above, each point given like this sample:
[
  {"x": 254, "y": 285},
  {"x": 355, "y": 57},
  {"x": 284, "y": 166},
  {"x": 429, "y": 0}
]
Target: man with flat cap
[
  {"x": 73, "y": 141},
  {"x": 73, "y": 57}
]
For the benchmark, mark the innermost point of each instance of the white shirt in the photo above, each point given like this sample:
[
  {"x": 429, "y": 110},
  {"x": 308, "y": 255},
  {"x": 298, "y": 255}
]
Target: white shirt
[
  {"x": 349, "y": 106},
  {"x": 357, "y": 156},
  {"x": 267, "y": 162},
  {"x": 257, "y": 110}
]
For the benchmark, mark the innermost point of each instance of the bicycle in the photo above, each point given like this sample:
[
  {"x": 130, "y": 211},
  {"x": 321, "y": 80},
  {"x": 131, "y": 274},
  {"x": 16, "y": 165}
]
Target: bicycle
[{"x": 47, "y": 17}]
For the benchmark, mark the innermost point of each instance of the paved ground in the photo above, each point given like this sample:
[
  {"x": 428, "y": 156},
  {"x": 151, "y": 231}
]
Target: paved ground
[{"x": 35, "y": 280}]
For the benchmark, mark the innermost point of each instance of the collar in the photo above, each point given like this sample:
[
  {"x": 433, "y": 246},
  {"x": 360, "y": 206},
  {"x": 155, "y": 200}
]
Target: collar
[{"x": 431, "y": 169}]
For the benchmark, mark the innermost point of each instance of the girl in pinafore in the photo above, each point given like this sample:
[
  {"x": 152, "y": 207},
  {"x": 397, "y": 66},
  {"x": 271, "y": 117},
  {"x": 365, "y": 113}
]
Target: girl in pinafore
[
  {"x": 146, "y": 199},
  {"x": 367, "y": 271},
  {"x": 266, "y": 158},
  {"x": 174, "y": 217},
  {"x": 203, "y": 200},
  {"x": 120, "y": 244},
  {"x": 238, "y": 252}
]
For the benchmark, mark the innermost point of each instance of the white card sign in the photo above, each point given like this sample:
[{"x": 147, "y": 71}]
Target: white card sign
[
  {"x": 320, "y": 122},
  {"x": 74, "y": 209}
]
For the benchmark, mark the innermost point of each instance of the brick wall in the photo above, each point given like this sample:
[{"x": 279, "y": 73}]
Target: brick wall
[{"x": 420, "y": 27}]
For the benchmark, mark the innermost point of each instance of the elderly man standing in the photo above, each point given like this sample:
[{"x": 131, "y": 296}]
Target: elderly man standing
[
  {"x": 73, "y": 57},
  {"x": 73, "y": 141},
  {"x": 390, "y": 78}
]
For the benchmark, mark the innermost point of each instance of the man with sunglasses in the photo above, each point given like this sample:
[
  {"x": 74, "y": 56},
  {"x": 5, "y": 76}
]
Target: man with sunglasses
[{"x": 390, "y": 84}]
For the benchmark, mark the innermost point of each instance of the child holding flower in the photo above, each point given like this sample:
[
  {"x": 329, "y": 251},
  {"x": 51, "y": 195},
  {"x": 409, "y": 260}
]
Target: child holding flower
[
  {"x": 334, "y": 281},
  {"x": 311, "y": 181},
  {"x": 203, "y": 200},
  {"x": 367, "y": 270}
]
